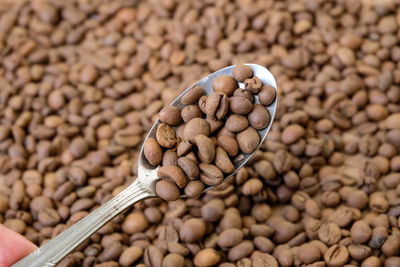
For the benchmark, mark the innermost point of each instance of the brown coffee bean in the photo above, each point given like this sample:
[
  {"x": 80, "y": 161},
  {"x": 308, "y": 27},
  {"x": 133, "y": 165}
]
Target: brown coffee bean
[
  {"x": 236, "y": 123},
  {"x": 206, "y": 148},
  {"x": 173, "y": 173},
  {"x": 244, "y": 93},
  {"x": 192, "y": 230},
  {"x": 135, "y": 223},
  {"x": 214, "y": 125},
  {"x": 170, "y": 158},
  {"x": 360, "y": 232},
  {"x": 210, "y": 174},
  {"x": 152, "y": 151},
  {"x": 229, "y": 144},
  {"x": 130, "y": 255},
  {"x": 184, "y": 147},
  {"x": 171, "y": 115},
  {"x": 259, "y": 117},
  {"x": 167, "y": 190},
  {"x": 189, "y": 167},
  {"x": 359, "y": 252},
  {"x": 194, "y": 188},
  {"x": 195, "y": 127},
  {"x": 241, "y": 250},
  {"x": 207, "y": 257},
  {"x": 165, "y": 136},
  {"x": 329, "y": 233},
  {"x": 267, "y": 95},
  {"x": 230, "y": 237},
  {"x": 240, "y": 105},
  {"x": 252, "y": 187},
  {"x": 253, "y": 85},
  {"x": 190, "y": 112},
  {"x": 308, "y": 253},
  {"x": 213, "y": 210},
  {"x": 336, "y": 256},
  {"x": 217, "y": 106},
  {"x": 224, "y": 84},
  {"x": 292, "y": 134},
  {"x": 241, "y": 72},
  {"x": 153, "y": 256},
  {"x": 223, "y": 162},
  {"x": 78, "y": 147},
  {"x": 192, "y": 96},
  {"x": 248, "y": 140},
  {"x": 173, "y": 260}
]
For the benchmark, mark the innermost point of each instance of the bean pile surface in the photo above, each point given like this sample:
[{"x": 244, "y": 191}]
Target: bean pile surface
[{"x": 82, "y": 82}]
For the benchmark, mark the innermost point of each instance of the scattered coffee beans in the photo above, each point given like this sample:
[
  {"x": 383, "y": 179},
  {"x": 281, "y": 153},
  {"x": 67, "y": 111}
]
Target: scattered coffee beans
[{"x": 82, "y": 82}]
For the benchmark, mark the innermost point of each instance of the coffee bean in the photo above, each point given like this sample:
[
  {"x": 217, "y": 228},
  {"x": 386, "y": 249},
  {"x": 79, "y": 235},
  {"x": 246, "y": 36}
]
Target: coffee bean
[
  {"x": 241, "y": 250},
  {"x": 135, "y": 223},
  {"x": 258, "y": 117},
  {"x": 166, "y": 136},
  {"x": 241, "y": 72},
  {"x": 192, "y": 96},
  {"x": 207, "y": 257},
  {"x": 336, "y": 256},
  {"x": 224, "y": 84},
  {"x": 230, "y": 237},
  {"x": 223, "y": 162},
  {"x": 130, "y": 255},
  {"x": 244, "y": 93},
  {"x": 189, "y": 167},
  {"x": 240, "y": 105},
  {"x": 216, "y": 106},
  {"x": 248, "y": 140},
  {"x": 173, "y": 260},
  {"x": 170, "y": 158},
  {"x": 213, "y": 210},
  {"x": 267, "y": 95},
  {"x": 195, "y": 127},
  {"x": 329, "y": 233},
  {"x": 360, "y": 232},
  {"x": 192, "y": 230},
  {"x": 173, "y": 173},
  {"x": 194, "y": 188},
  {"x": 253, "y": 85},
  {"x": 190, "y": 112},
  {"x": 152, "y": 151},
  {"x": 236, "y": 123},
  {"x": 153, "y": 256},
  {"x": 206, "y": 148},
  {"x": 210, "y": 174},
  {"x": 171, "y": 115},
  {"x": 167, "y": 190}
]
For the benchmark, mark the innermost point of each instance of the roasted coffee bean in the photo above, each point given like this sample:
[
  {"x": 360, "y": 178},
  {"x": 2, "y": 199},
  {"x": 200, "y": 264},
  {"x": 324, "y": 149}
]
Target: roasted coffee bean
[
  {"x": 192, "y": 230},
  {"x": 217, "y": 106},
  {"x": 241, "y": 72},
  {"x": 236, "y": 123},
  {"x": 240, "y": 105},
  {"x": 194, "y": 188},
  {"x": 171, "y": 115},
  {"x": 152, "y": 151},
  {"x": 267, "y": 95},
  {"x": 244, "y": 93},
  {"x": 230, "y": 237},
  {"x": 189, "y": 167},
  {"x": 210, "y": 174},
  {"x": 206, "y": 148},
  {"x": 229, "y": 144},
  {"x": 336, "y": 256},
  {"x": 130, "y": 255},
  {"x": 308, "y": 253},
  {"x": 253, "y": 85},
  {"x": 224, "y": 84},
  {"x": 173, "y": 173},
  {"x": 167, "y": 190},
  {"x": 192, "y": 96},
  {"x": 207, "y": 257},
  {"x": 258, "y": 117},
  {"x": 248, "y": 140},
  {"x": 223, "y": 162},
  {"x": 190, "y": 112},
  {"x": 166, "y": 136},
  {"x": 195, "y": 127}
]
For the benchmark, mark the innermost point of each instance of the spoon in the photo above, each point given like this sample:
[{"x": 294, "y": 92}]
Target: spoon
[{"x": 143, "y": 187}]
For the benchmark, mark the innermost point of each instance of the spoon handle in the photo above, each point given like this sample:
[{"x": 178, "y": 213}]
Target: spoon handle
[{"x": 57, "y": 248}]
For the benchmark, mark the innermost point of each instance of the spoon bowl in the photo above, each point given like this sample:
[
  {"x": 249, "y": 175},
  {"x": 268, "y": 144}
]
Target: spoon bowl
[{"x": 143, "y": 187}]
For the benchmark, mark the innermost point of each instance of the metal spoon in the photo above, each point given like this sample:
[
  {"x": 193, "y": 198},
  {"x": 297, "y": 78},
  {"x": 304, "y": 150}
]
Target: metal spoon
[{"x": 143, "y": 187}]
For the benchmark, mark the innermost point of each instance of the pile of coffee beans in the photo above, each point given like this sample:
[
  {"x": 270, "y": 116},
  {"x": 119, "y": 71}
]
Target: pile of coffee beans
[
  {"x": 82, "y": 82},
  {"x": 202, "y": 151}
]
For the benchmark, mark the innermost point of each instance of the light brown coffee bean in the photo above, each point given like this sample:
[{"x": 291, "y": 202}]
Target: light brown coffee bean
[
  {"x": 223, "y": 162},
  {"x": 166, "y": 136},
  {"x": 224, "y": 84},
  {"x": 259, "y": 117},
  {"x": 210, "y": 174},
  {"x": 189, "y": 167},
  {"x": 167, "y": 190},
  {"x": 241, "y": 72},
  {"x": 329, "y": 233},
  {"x": 240, "y": 105},
  {"x": 248, "y": 140},
  {"x": 206, "y": 148},
  {"x": 173, "y": 173},
  {"x": 267, "y": 95},
  {"x": 230, "y": 237},
  {"x": 190, "y": 112},
  {"x": 171, "y": 115},
  {"x": 360, "y": 232},
  {"x": 206, "y": 258},
  {"x": 184, "y": 147},
  {"x": 229, "y": 144},
  {"x": 292, "y": 134},
  {"x": 152, "y": 151},
  {"x": 217, "y": 105},
  {"x": 170, "y": 158},
  {"x": 236, "y": 123},
  {"x": 195, "y": 127},
  {"x": 192, "y": 96},
  {"x": 336, "y": 256},
  {"x": 130, "y": 255},
  {"x": 253, "y": 85},
  {"x": 194, "y": 188},
  {"x": 173, "y": 260},
  {"x": 241, "y": 250},
  {"x": 192, "y": 230},
  {"x": 308, "y": 253}
]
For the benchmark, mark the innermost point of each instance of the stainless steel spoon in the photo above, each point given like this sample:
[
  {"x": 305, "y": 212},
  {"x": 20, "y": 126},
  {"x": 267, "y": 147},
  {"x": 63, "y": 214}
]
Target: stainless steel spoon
[{"x": 143, "y": 187}]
